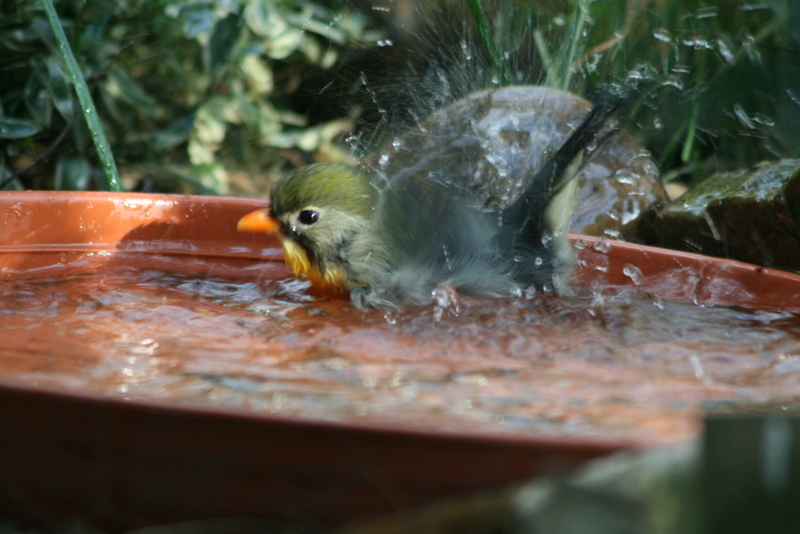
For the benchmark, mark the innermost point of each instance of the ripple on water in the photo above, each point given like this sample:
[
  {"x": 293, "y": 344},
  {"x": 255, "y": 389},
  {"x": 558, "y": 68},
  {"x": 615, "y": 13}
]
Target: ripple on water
[{"x": 626, "y": 365}]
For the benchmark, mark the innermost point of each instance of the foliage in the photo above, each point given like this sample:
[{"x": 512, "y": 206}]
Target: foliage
[
  {"x": 724, "y": 76},
  {"x": 86, "y": 102},
  {"x": 195, "y": 94},
  {"x": 727, "y": 74},
  {"x": 186, "y": 88}
]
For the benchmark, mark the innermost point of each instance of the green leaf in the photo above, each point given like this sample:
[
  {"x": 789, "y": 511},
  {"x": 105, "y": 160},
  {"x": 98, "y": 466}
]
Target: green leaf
[
  {"x": 20, "y": 38},
  {"x": 260, "y": 17},
  {"x": 128, "y": 90},
  {"x": 37, "y": 101},
  {"x": 209, "y": 128},
  {"x": 325, "y": 30},
  {"x": 198, "y": 21},
  {"x": 73, "y": 173},
  {"x": 258, "y": 73},
  {"x": 96, "y": 27},
  {"x": 193, "y": 177},
  {"x": 223, "y": 39},
  {"x": 691, "y": 135},
  {"x": 96, "y": 129},
  {"x": 11, "y": 185},
  {"x": 6, "y": 183},
  {"x": 11, "y": 128},
  {"x": 281, "y": 45},
  {"x": 59, "y": 87},
  {"x": 111, "y": 108},
  {"x": 174, "y": 134},
  {"x": 4, "y": 174}
]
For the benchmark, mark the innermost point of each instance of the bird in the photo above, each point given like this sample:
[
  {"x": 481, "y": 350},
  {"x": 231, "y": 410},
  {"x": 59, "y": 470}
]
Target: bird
[{"x": 389, "y": 245}]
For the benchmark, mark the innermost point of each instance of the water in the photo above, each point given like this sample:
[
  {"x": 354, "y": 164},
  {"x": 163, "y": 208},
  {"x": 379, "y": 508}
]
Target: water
[{"x": 623, "y": 365}]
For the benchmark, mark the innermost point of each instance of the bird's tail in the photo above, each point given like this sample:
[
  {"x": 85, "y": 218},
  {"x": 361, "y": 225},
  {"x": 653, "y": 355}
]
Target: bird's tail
[
  {"x": 543, "y": 211},
  {"x": 560, "y": 169}
]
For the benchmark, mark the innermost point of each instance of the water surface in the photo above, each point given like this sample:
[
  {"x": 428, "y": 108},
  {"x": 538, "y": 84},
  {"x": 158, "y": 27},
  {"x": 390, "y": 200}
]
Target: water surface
[{"x": 622, "y": 366}]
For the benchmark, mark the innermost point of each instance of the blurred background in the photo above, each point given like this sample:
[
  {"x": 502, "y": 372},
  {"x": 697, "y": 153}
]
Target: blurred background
[{"x": 224, "y": 96}]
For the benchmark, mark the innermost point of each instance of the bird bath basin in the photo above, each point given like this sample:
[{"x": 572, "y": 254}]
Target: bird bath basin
[{"x": 158, "y": 365}]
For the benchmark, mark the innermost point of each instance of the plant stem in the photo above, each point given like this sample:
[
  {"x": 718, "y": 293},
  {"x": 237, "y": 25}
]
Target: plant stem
[
  {"x": 581, "y": 13},
  {"x": 489, "y": 43},
  {"x": 96, "y": 129}
]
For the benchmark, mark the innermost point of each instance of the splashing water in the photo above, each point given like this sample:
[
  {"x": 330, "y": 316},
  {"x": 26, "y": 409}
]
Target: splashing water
[{"x": 618, "y": 363}]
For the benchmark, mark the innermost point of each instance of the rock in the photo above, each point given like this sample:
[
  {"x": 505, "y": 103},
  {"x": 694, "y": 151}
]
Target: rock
[
  {"x": 750, "y": 215},
  {"x": 492, "y": 142}
]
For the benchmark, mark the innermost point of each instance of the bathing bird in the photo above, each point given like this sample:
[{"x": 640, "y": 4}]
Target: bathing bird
[{"x": 389, "y": 244}]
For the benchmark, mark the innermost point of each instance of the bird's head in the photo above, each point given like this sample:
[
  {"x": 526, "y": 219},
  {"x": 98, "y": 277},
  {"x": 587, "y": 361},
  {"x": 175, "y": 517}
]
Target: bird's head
[{"x": 316, "y": 211}]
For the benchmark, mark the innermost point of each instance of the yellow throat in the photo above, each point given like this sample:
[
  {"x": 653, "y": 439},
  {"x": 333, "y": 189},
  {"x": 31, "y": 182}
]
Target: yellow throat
[{"x": 332, "y": 281}]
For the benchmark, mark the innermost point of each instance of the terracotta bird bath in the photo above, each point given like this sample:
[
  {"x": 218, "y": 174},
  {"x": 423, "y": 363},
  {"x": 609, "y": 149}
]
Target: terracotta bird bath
[{"x": 158, "y": 366}]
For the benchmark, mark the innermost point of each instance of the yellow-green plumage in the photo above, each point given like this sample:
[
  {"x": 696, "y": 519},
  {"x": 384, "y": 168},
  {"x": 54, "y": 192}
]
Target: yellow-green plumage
[
  {"x": 338, "y": 185},
  {"x": 389, "y": 245}
]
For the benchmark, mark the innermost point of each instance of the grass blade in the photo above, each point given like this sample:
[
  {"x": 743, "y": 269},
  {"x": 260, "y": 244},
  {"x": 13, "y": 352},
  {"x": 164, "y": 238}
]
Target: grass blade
[{"x": 85, "y": 98}]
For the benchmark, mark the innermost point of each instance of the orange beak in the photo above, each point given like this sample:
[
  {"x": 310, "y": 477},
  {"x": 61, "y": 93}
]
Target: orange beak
[{"x": 258, "y": 221}]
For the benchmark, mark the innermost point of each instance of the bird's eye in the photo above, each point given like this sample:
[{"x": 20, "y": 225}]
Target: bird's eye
[{"x": 308, "y": 217}]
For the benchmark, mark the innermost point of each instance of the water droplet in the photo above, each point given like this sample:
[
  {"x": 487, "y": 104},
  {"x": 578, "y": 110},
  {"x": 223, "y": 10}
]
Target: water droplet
[
  {"x": 634, "y": 273},
  {"x": 698, "y": 43},
  {"x": 696, "y": 366},
  {"x": 626, "y": 176},
  {"x": 751, "y": 49},
  {"x": 662, "y": 34},
  {"x": 672, "y": 81},
  {"x": 725, "y": 50},
  {"x": 763, "y": 119},
  {"x": 592, "y": 63},
  {"x": 467, "y": 50},
  {"x": 602, "y": 245},
  {"x": 754, "y": 7},
  {"x": 744, "y": 119},
  {"x": 445, "y": 299},
  {"x": 707, "y": 12}
]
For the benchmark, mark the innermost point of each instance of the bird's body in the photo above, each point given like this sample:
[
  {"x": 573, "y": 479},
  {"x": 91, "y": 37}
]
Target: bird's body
[{"x": 389, "y": 245}]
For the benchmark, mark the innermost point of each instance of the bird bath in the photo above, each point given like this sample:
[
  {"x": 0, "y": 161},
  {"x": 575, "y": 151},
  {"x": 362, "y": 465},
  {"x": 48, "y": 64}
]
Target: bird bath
[{"x": 158, "y": 365}]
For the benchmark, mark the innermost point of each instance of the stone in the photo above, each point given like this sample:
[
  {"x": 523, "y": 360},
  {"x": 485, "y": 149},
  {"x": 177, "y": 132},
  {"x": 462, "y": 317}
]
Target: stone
[
  {"x": 492, "y": 142},
  {"x": 750, "y": 215}
]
